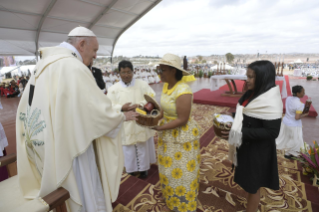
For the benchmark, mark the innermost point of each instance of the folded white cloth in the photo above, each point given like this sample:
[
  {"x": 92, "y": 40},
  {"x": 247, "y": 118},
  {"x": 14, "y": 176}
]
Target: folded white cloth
[{"x": 267, "y": 106}]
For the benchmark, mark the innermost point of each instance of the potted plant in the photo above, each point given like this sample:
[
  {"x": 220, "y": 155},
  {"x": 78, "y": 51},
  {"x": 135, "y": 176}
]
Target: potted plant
[
  {"x": 209, "y": 74},
  {"x": 200, "y": 75},
  {"x": 309, "y": 77},
  {"x": 309, "y": 157}
]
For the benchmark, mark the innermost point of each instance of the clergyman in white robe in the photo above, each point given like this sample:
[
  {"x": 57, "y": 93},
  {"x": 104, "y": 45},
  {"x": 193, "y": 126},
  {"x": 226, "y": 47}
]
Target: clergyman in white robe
[
  {"x": 58, "y": 121},
  {"x": 138, "y": 145}
]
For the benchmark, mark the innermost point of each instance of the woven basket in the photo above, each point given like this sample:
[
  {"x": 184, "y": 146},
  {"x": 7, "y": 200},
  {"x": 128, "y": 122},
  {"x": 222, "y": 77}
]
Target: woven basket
[
  {"x": 220, "y": 126},
  {"x": 150, "y": 120}
]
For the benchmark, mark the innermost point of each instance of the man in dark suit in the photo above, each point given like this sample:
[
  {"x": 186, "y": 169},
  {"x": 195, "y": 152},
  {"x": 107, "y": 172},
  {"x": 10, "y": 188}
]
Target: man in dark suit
[{"x": 97, "y": 73}]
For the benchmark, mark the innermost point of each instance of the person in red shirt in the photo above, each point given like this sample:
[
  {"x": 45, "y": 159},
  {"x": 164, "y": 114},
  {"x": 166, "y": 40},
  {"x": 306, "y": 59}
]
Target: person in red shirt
[
  {"x": 13, "y": 89},
  {"x": 2, "y": 87},
  {"x": 6, "y": 90}
]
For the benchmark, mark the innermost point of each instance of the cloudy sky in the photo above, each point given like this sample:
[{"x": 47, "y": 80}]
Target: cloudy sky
[{"x": 206, "y": 27}]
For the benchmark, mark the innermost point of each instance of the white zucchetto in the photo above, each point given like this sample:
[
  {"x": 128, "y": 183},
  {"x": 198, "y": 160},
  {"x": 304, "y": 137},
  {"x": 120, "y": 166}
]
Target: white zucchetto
[{"x": 81, "y": 32}]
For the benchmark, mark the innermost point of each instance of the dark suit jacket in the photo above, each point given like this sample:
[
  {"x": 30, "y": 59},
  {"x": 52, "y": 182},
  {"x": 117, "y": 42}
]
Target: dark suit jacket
[
  {"x": 257, "y": 156},
  {"x": 97, "y": 73}
]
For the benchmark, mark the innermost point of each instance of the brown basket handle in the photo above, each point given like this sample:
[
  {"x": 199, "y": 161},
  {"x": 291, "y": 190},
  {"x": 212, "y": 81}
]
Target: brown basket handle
[{"x": 227, "y": 124}]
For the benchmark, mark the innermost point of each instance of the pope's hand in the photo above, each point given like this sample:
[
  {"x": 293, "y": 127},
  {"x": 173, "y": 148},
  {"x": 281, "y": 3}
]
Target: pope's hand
[
  {"x": 131, "y": 116},
  {"x": 126, "y": 106},
  {"x": 133, "y": 107}
]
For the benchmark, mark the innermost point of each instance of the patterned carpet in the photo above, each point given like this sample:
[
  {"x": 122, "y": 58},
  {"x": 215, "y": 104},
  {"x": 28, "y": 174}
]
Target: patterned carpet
[{"x": 218, "y": 192}]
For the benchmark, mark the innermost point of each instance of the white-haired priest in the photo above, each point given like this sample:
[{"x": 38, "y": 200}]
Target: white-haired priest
[{"x": 66, "y": 129}]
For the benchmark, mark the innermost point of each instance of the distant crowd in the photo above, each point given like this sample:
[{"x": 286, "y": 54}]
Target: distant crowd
[
  {"x": 14, "y": 88},
  {"x": 148, "y": 75}
]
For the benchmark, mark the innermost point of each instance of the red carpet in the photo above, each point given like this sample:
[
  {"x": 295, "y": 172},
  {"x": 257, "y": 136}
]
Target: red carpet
[{"x": 205, "y": 96}]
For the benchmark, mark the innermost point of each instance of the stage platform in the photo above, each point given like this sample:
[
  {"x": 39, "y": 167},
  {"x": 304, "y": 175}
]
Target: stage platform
[{"x": 205, "y": 96}]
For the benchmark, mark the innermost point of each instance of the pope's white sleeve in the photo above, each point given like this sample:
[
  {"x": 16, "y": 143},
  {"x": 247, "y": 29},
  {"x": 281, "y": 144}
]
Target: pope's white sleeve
[{"x": 113, "y": 133}]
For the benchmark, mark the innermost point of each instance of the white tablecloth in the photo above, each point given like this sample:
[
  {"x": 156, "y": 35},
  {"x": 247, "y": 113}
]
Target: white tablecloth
[
  {"x": 297, "y": 72},
  {"x": 217, "y": 81}
]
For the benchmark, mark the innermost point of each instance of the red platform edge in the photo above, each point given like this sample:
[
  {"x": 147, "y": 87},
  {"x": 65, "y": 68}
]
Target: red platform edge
[{"x": 205, "y": 96}]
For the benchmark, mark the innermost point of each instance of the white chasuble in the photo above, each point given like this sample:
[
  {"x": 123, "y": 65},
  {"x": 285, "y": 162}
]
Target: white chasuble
[{"x": 61, "y": 112}]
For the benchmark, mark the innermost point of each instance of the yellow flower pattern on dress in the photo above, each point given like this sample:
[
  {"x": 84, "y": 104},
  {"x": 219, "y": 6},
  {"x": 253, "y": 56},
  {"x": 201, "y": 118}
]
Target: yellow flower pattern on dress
[
  {"x": 169, "y": 204},
  {"x": 178, "y": 155},
  {"x": 196, "y": 144},
  {"x": 182, "y": 207},
  {"x": 191, "y": 165},
  {"x": 175, "y": 201},
  {"x": 192, "y": 206},
  {"x": 160, "y": 159},
  {"x": 191, "y": 195},
  {"x": 198, "y": 158},
  {"x": 160, "y": 141},
  {"x": 169, "y": 191},
  {"x": 185, "y": 127},
  {"x": 164, "y": 180},
  {"x": 177, "y": 173},
  {"x": 179, "y": 176},
  {"x": 195, "y": 132},
  {"x": 175, "y": 133},
  {"x": 167, "y": 162},
  {"x": 194, "y": 185},
  {"x": 180, "y": 191},
  {"x": 187, "y": 146}
]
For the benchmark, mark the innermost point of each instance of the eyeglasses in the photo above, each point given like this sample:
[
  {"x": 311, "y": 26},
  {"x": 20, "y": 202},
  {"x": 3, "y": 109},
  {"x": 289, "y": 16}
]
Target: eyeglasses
[{"x": 160, "y": 71}]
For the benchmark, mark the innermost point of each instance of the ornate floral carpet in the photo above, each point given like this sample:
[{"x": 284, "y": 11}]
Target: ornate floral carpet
[{"x": 218, "y": 192}]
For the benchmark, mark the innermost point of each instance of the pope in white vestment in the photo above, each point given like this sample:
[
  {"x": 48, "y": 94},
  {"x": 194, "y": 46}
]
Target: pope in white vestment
[
  {"x": 68, "y": 133},
  {"x": 138, "y": 144}
]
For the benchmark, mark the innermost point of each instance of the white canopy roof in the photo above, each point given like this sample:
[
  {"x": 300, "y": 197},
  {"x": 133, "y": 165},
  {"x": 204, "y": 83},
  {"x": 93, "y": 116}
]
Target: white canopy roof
[
  {"x": 27, "y": 25},
  {"x": 15, "y": 69},
  {"x": 298, "y": 61}
]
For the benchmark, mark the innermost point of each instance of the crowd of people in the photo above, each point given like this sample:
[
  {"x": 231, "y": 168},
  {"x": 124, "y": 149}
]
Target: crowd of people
[
  {"x": 150, "y": 76},
  {"x": 88, "y": 138},
  {"x": 10, "y": 89}
]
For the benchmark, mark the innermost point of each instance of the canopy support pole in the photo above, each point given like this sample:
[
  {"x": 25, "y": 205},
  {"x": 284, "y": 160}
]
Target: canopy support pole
[{"x": 40, "y": 26}]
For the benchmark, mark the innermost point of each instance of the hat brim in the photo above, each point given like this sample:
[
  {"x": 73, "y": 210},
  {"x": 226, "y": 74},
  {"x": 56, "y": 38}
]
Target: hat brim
[{"x": 185, "y": 73}]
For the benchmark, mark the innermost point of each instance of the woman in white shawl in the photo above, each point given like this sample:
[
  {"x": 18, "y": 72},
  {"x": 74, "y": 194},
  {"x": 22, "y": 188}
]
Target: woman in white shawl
[
  {"x": 290, "y": 137},
  {"x": 252, "y": 144}
]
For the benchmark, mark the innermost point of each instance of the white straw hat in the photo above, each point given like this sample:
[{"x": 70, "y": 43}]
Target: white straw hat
[
  {"x": 81, "y": 32},
  {"x": 173, "y": 61}
]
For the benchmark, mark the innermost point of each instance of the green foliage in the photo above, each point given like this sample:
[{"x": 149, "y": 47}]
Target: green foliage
[
  {"x": 215, "y": 62},
  {"x": 310, "y": 157},
  {"x": 200, "y": 58},
  {"x": 229, "y": 57},
  {"x": 201, "y": 73},
  {"x": 309, "y": 77}
]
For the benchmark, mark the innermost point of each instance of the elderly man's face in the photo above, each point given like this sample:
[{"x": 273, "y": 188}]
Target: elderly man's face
[{"x": 88, "y": 48}]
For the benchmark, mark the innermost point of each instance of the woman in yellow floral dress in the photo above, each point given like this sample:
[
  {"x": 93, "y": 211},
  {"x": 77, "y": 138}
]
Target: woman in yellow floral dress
[{"x": 178, "y": 142}]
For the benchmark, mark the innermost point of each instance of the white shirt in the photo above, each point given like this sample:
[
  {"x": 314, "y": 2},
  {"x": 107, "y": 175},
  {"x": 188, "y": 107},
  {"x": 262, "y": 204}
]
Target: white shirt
[{"x": 293, "y": 106}]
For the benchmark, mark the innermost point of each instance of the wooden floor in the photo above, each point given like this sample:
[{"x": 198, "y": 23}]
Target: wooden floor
[{"x": 310, "y": 125}]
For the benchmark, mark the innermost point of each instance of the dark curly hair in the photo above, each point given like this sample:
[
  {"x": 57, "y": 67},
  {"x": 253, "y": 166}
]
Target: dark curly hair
[{"x": 296, "y": 89}]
